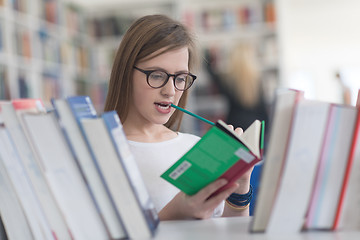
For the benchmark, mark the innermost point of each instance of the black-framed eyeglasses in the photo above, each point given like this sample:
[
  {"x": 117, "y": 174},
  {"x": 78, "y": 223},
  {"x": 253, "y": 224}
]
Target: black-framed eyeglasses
[{"x": 158, "y": 79}]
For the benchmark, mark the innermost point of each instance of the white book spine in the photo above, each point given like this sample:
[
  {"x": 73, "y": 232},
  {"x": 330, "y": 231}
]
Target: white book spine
[
  {"x": 64, "y": 177},
  {"x": 89, "y": 169},
  {"x": 116, "y": 179},
  {"x": 12, "y": 214},
  {"x": 288, "y": 213},
  {"x": 35, "y": 173},
  {"x": 33, "y": 211}
]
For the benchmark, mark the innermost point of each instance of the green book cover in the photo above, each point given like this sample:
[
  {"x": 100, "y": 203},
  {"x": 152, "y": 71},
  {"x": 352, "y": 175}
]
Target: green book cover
[{"x": 219, "y": 153}]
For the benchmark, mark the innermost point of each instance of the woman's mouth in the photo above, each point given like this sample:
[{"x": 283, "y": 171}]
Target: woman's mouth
[{"x": 163, "y": 105}]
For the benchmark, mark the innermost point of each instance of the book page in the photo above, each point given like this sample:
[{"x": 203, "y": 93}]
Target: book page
[{"x": 250, "y": 138}]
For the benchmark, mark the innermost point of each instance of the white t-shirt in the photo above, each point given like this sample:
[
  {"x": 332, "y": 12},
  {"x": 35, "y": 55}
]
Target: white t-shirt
[{"x": 155, "y": 158}]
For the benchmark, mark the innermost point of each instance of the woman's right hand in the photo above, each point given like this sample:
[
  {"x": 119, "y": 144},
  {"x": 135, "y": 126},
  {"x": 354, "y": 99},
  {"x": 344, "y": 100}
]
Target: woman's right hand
[{"x": 199, "y": 205}]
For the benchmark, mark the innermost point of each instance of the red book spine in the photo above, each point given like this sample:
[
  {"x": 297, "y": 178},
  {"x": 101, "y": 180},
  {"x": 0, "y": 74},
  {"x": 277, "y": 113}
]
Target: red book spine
[{"x": 348, "y": 167}]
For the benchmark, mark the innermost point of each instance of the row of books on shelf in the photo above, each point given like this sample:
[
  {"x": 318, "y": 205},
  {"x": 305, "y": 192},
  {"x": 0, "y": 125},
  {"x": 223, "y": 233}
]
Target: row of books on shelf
[
  {"x": 51, "y": 11},
  {"x": 68, "y": 173},
  {"x": 49, "y": 48},
  {"x": 109, "y": 26},
  {"x": 311, "y": 172},
  {"x": 49, "y": 85},
  {"x": 229, "y": 17},
  {"x": 72, "y": 46}
]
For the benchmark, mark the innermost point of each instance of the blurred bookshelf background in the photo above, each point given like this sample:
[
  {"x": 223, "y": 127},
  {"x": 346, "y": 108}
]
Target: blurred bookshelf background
[{"x": 57, "y": 48}]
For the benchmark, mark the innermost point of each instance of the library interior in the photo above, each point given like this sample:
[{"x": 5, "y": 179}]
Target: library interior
[{"x": 293, "y": 63}]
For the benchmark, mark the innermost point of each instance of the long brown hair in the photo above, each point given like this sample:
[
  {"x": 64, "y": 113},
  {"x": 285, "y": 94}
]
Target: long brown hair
[
  {"x": 144, "y": 37},
  {"x": 244, "y": 73}
]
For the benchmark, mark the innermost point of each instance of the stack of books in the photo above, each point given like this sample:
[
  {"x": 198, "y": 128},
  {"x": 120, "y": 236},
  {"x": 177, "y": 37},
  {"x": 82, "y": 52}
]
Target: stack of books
[
  {"x": 311, "y": 173},
  {"x": 68, "y": 173}
]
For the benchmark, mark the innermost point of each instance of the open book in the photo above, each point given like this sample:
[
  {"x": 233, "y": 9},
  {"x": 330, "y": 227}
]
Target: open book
[{"x": 220, "y": 153}]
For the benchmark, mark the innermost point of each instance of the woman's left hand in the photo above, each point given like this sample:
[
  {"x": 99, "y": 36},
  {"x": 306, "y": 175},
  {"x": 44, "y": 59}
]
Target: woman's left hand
[{"x": 244, "y": 180}]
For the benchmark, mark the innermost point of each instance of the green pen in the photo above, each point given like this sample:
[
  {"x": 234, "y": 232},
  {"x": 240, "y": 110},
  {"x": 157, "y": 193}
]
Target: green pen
[
  {"x": 262, "y": 135},
  {"x": 192, "y": 114}
]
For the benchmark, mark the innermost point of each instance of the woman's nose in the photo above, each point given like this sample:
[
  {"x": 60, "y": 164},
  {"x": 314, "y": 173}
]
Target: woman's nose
[{"x": 169, "y": 88}]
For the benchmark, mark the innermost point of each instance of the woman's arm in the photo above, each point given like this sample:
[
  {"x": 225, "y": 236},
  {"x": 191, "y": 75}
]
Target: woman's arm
[{"x": 243, "y": 188}]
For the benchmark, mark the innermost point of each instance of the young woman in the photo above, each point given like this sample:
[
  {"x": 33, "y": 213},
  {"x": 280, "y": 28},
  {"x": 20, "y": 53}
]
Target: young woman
[{"x": 152, "y": 69}]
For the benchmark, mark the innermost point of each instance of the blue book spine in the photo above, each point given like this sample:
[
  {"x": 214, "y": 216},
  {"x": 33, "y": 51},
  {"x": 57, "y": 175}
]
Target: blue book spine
[
  {"x": 118, "y": 137},
  {"x": 82, "y": 107},
  {"x": 79, "y": 105}
]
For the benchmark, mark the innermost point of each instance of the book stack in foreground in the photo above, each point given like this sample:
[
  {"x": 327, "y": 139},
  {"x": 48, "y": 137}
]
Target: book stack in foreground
[
  {"x": 68, "y": 173},
  {"x": 311, "y": 174}
]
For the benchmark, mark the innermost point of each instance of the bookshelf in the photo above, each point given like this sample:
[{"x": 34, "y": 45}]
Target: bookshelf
[
  {"x": 220, "y": 26},
  {"x": 108, "y": 26},
  {"x": 45, "y": 51}
]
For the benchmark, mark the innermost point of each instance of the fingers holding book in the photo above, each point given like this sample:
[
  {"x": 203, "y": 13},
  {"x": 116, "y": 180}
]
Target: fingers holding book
[{"x": 198, "y": 206}]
